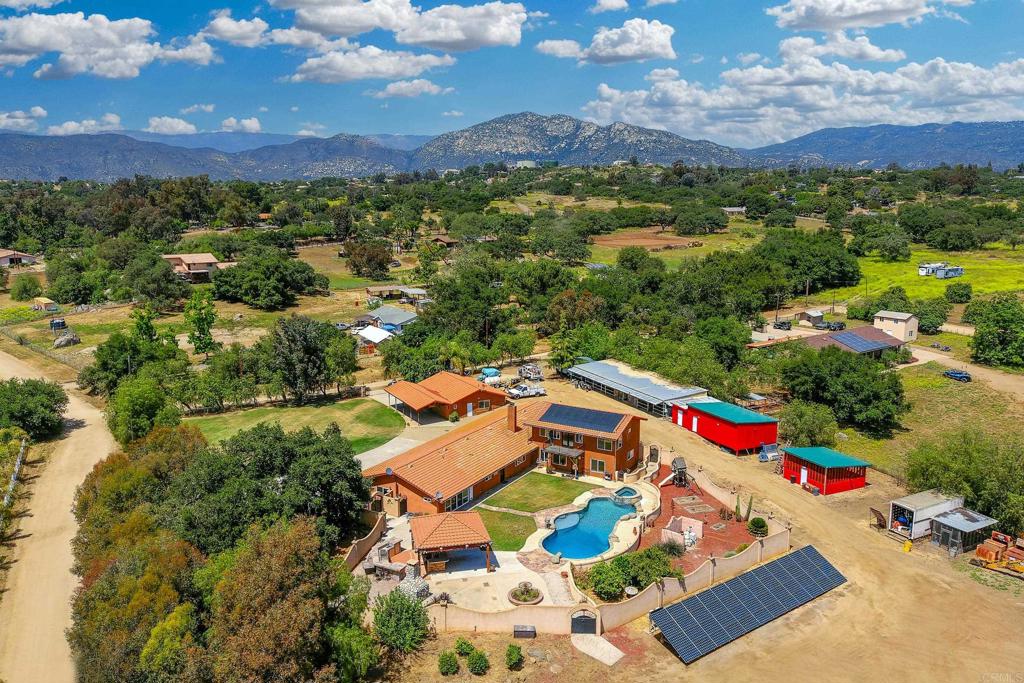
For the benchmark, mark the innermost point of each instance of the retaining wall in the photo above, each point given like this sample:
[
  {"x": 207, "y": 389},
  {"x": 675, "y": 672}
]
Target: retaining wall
[{"x": 361, "y": 547}]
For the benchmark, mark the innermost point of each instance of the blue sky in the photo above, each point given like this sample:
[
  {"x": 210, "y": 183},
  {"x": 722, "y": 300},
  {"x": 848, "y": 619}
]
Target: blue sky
[{"x": 735, "y": 71}]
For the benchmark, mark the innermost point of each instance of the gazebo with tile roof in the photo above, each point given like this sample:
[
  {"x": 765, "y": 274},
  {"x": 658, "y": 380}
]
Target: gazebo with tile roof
[{"x": 435, "y": 535}]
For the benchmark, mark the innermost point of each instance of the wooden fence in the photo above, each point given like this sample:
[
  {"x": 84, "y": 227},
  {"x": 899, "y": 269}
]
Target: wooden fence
[{"x": 13, "y": 484}]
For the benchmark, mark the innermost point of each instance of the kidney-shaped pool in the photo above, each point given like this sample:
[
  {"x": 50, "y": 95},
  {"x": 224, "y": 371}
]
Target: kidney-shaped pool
[{"x": 584, "y": 534}]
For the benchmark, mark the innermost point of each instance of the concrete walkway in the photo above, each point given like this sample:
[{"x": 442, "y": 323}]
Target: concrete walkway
[{"x": 598, "y": 648}]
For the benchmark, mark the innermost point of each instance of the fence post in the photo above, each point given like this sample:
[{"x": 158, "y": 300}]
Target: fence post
[{"x": 14, "y": 482}]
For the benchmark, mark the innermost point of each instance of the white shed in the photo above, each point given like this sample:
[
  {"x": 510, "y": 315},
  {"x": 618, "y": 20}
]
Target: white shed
[{"x": 911, "y": 516}]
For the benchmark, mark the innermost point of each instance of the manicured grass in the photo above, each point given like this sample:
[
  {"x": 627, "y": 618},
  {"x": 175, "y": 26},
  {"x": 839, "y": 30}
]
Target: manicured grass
[
  {"x": 996, "y": 269},
  {"x": 535, "y": 492},
  {"x": 508, "y": 531},
  {"x": 365, "y": 422},
  {"x": 939, "y": 406}
]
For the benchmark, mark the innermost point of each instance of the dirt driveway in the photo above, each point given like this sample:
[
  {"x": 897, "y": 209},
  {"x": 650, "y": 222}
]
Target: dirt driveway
[
  {"x": 902, "y": 617},
  {"x": 35, "y": 608},
  {"x": 999, "y": 380}
]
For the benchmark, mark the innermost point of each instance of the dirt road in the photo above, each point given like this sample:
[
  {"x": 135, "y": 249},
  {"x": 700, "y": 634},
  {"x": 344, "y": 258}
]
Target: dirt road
[
  {"x": 998, "y": 380},
  {"x": 901, "y": 617},
  {"x": 36, "y": 606}
]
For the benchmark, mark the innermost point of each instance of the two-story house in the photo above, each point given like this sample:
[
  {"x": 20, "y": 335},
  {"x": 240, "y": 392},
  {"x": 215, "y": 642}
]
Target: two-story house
[{"x": 584, "y": 441}]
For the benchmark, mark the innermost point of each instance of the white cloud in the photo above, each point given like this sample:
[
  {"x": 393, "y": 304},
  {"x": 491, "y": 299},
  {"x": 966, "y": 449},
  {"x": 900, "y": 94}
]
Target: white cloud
[
  {"x": 662, "y": 75},
  {"x": 22, "y": 5},
  {"x": 746, "y": 58},
  {"x": 91, "y": 45},
  {"x": 367, "y": 62},
  {"x": 242, "y": 32},
  {"x": 457, "y": 28},
  {"x": 760, "y": 104},
  {"x": 169, "y": 125},
  {"x": 233, "y": 125},
  {"x": 608, "y": 6},
  {"x": 22, "y": 121},
  {"x": 637, "y": 40},
  {"x": 696, "y": 58},
  {"x": 293, "y": 109},
  {"x": 454, "y": 113},
  {"x": 196, "y": 108},
  {"x": 311, "y": 129},
  {"x": 836, "y": 15},
  {"x": 840, "y": 45},
  {"x": 263, "y": 110},
  {"x": 655, "y": 3},
  {"x": 87, "y": 126},
  {"x": 414, "y": 88}
]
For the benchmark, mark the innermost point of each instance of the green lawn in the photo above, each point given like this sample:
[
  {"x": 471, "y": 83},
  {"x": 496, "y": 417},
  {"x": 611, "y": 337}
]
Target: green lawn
[
  {"x": 365, "y": 422},
  {"x": 535, "y": 492},
  {"x": 997, "y": 269},
  {"x": 939, "y": 406},
  {"x": 508, "y": 531}
]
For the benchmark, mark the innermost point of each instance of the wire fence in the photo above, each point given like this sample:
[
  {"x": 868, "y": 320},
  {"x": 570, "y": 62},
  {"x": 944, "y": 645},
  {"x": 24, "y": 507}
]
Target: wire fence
[{"x": 13, "y": 484}]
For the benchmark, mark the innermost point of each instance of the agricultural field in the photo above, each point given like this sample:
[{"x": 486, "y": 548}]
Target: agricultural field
[
  {"x": 997, "y": 269},
  {"x": 939, "y": 406},
  {"x": 365, "y": 422},
  {"x": 534, "y": 201},
  {"x": 739, "y": 235},
  {"x": 325, "y": 260}
]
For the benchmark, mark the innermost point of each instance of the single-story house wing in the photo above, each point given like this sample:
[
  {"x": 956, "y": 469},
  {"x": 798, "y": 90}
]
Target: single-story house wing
[
  {"x": 393, "y": 316},
  {"x": 10, "y": 257},
  {"x": 445, "y": 393}
]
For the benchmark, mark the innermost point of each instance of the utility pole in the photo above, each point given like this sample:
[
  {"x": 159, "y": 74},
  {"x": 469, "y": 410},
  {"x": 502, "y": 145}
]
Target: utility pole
[
  {"x": 778, "y": 305},
  {"x": 807, "y": 292}
]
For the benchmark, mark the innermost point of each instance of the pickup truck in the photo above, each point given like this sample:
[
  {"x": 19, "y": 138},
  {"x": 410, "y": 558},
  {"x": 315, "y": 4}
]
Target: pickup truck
[{"x": 526, "y": 391}]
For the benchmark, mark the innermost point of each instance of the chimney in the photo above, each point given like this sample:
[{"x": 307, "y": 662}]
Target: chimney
[{"x": 513, "y": 418}]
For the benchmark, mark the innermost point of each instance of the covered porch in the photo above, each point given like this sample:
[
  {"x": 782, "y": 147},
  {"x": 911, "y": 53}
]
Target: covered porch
[
  {"x": 438, "y": 539},
  {"x": 564, "y": 459}
]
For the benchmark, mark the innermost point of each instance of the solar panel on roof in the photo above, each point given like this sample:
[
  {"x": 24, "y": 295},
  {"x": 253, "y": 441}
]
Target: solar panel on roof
[
  {"x": 719, "y": 615},
  {"x": 859, "y": 343},
  {"x": 582, "y": 418}
]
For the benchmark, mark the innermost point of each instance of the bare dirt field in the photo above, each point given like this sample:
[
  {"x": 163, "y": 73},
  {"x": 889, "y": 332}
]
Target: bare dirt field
[
  {"x": 35, "y": 607},
  {"x": 651, "y": 239},
  {"x": 903, "y": 616}
]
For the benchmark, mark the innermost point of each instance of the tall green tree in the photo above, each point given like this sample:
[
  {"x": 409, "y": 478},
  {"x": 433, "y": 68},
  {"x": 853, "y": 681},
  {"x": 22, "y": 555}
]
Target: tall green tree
[{"x": 200, "y": 316}]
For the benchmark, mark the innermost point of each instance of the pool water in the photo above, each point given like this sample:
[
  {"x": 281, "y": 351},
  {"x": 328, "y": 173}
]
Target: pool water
[
  {"x": 627, "y": 492},
  {"x": 579, "y": 535}
]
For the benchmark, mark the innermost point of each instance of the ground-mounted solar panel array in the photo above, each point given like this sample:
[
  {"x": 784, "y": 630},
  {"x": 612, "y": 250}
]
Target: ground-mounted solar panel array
[
  {"x": 723, "y": 613},
  {"x": 859, "y": 343},
  {"x": 582, "y": 418}
]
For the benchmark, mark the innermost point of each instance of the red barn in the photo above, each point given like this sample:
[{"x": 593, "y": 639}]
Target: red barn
[
  {"x": 728, "y": 425},
  {"x": 830, "y": 471}
]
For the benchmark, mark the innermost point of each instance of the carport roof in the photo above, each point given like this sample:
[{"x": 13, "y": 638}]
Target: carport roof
[
  {"x": 448, "y": 531},
  {"x": 826, "y": 457},
  {"x": 643, "y": 385}
]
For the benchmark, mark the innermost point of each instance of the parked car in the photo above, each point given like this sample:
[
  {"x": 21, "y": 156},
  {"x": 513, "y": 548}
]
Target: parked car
[
  {"x": 531, "y": 372},
  {"x": 958, "y": 375},
  {"x": 526, "y": 391},
  {"x": 395, "y": 264},
  {"x": 822, "y": 326},
  {"x": 837, "y": 326},
  {"x": 782, "y": 325},
  {"x": 342, "y": 326}
]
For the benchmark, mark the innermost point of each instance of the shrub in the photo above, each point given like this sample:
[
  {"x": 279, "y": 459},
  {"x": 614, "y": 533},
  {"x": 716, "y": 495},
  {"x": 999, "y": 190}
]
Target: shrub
[
  {"x": 513, "y": 657},
  {"x": 758, "y": 527},
  {"x": 453, "y": 416},
  {"x": 673, "y": 548},
  {"x": 741, "y": 547},
  {"x": 477, "y": 663},
  {"x": 959, "y": 292},
  {"x": 34, "y": 405},
  {"x": 606, "y": 580},
  {"x": 463, "y": 646},
  {"x": 400, "y": 622},
  {"x": 447, "y": 663},
  {"x": 25, "y": 287}
]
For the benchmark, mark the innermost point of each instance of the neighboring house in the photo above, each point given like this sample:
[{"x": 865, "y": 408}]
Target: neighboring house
[
  {"x": 445, "y": 393},
  {"x": 868, "y": 341},
  {"x": 370, "y": 338},
  {"x": 737, "y": 211},
  {"x": 445, "y": 241},
  {"x": 902, "y": 326},
  {"x": 392, "y": 318},
  {"x": 9, "y": 257},
  {"x": 525, "y": 163},
  {"x": 384, "y": 291},
  {"x": 928, "y": 269},
  {"x": 194, "y": 267},
  {"x": 449, "y": 472}
]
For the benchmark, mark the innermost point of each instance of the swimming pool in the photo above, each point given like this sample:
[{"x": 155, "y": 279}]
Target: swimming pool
[
  {"x": 579, "y": 535},
  {"x": 627, "y": 492}
]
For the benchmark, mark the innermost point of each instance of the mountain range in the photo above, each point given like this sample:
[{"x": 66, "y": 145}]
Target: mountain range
[{"x": 515, "y": 137}]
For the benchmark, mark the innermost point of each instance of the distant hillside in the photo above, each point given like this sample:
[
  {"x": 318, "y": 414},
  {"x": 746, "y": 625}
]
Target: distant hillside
[
  {"x": 927, "y": 146},
  {"x": 404, "y": 142},
  {"x": 220, "y": 141},
  {"x": 567, "y": 140}
]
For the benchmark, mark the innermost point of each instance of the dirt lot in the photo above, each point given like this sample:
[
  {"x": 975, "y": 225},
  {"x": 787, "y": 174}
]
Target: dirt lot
[
  {"x": 651, "y": 239},
  {"x": 913, "y": 616}
]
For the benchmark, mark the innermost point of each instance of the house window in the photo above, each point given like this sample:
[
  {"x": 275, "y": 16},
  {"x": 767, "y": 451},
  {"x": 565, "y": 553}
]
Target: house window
[
  {"x": 384, "y": 490},
  {"x": 555, "y": 434},
  {"x": 543, "y": 456},
  {"x": 519, "y": 461},
  {"x": 597, "y": 465},
  {"x": 485, "y": 405},
  {"x": 618, "y": 444},
  {"x": 629, "y": 456},
  {"x": 543, "y": 432},
  {"x": 604, "y": 445},
  {"x": 579, "y": 438},
  {"x": 458, "y": 500},
  {"x": 559, "y": 460}
]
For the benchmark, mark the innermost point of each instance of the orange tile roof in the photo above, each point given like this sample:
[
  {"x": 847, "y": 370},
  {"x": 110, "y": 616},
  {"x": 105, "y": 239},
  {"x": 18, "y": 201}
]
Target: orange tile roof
[
  {"x": 414, "y": 395},
  {"x": 447, "y": 531},
  {"x": 192, "y": 258},
  {"x": 455, "y": 461},
  {"x": 453, "y": 388}
]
